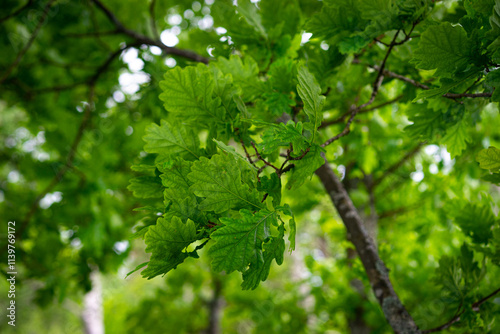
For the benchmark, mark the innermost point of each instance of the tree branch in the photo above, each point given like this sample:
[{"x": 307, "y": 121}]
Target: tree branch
[
  {"x": 68, "y": 165},
  {"x": 262, "y": 159},
  {"x": 146, "y": 40},
  {"x": 342, "y": 117},
  {"x": 152, "y": 21},
  {"x": 417, "y": 84},
  {"x": 79, "y": 135},
  {"x": 475, "y": 307},
  {"x": 215, "y": 306},
  {"x": 397, "y": 165},
  {"x": 14, "y": 13},
  {"x": 394, "y": 311},
  {"x": 376, "y": 86},
  {"x": 23, "y": 51}
]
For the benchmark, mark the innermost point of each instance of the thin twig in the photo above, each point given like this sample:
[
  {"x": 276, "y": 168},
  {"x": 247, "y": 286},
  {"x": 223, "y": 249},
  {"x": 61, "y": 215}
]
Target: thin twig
[
  {"x": 417, "y": 84},
  {"x": 376, "y": 86},
  {"x": 14, "y": 13},
  {"x": 146, "y": 40},
  {"x": 246, "y": 153},
  {"x": 342, "y": 117},
  {"x": 76, "y": 141},
  {"x": 153, "y": 19},
  {"x": 398, "y": 164},
  {"x": 262, "y": 159},
  {"x": 23, "y": 51},
  {"x": 68, "y": 165},
  {"x": 475, "y": 307}
]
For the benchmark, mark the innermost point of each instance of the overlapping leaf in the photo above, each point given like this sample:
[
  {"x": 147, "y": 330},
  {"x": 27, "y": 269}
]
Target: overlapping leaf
[
  {"x": 443, "y": 47},
  {"x": 310, "y": 93},
  {"x": 219, "y": 181},
  {"x": 170, "y": 140},
  {"x": 280, "y": 135},
  {"x": 305, "y": 167},
  {"x": 489, "y": 158},
  {"x": 166, "y": 241},
  {"x": 456, "y": 138},
  {"x": 239, "y": 242},
  {"x": 187, "y": 93},
  {"x": 257, "y": 272}
]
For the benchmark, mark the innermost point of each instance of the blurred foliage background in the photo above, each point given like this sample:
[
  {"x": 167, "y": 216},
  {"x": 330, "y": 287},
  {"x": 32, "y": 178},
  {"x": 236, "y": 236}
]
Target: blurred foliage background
[{"x": 64, "y": 173}]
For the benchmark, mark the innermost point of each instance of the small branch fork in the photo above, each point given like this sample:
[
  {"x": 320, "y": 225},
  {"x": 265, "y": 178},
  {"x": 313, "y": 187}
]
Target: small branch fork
[
  {"x": 74, "y": 146},
  {"x": 475, "y": 307},
  {"x": 376, "y": 86},
  {"x": 342, "y": 117},
  {"x": 147, "y": 40},
  {"x": 417, "y": 84},
  {"x": 279, "y": 171},
  {"x": 25, "y": 49}
]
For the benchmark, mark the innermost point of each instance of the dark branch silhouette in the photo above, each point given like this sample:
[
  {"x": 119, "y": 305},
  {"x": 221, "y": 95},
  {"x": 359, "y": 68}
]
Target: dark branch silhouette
[
  {"x": 25, "y": 49},
  {"x": 376, "y": 86},
  {"x": 475, "y": 307},
  {"x": 76, "y": 141},
  {"x": 146, "y": 40},
  {"x": 398, "y": 164},
  {"x": 16, "y": 12},
  {"x": 342, "y": 117}
]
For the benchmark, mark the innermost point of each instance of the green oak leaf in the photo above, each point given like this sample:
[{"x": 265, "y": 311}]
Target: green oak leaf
[
  {"x": 167, "y": 241},
  {"x": 171, "y": 139},
  {"x": 305, "y": 167},
  {"x": 456, "y": 138},
  {"x": 280, "y": 135},
  {"x": 489, "y": 158},
  {"x": 188, "y": 93},
  {"x": 224, "y": 183},
  {"x": 257, "y": 272},
  {"x": 310, "y": 93},
  {"x": 239, "y": 242},
  {"x": 443, "y": 47},
  {"x": 146, "y": 187}
]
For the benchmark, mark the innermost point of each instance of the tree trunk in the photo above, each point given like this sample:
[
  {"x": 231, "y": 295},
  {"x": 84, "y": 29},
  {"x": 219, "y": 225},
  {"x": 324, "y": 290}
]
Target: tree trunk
[
  {"x": 394, "y": 311},
  {"x": 215, "y": 306},
  {"x": 92, "y": 314}
]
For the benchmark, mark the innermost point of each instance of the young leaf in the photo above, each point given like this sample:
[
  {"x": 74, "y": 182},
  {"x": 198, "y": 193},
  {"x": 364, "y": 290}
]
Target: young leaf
[
  {"x": 175, "y": 176},
  {"x": 475, "y": 221},
  {"x": 170, "y": 140},
  {"x": 284, "y": 135},
  {"x": 489, "y": 158},
  {"x": 310, "y": 93},
  {"x": 224, "y": 182},
  {"x": 146, "y": 187},
  {"x": 239, "y": 242},
  {"x": 187, "y": 93},
  {"x": 291, "y": 224},
  {"x": 257, "y": 272},
  {"x": 166, "y": 241},
  {"x": 305, "y": 167},
  {"x": 272, "y": 186},
  {"x": 443, "y": 47},
  {"x": 456, "y": 138}
]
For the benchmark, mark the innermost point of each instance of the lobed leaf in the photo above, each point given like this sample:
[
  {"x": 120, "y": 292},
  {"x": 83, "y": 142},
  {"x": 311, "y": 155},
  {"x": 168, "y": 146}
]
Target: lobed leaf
[
  {"x": 489, "y": 158},
  {"x": 166, "y": 241},
  {"x": 171, "y": 139},
  {"x": 239, "y": 242},
  {"x": 310, "y": 93},
  {"x": 443, "y": 47},
  {"x": 223, "y": 181}
]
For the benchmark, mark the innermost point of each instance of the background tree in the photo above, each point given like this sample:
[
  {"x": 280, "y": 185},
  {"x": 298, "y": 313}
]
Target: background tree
[{"x": 391, "y": 104}]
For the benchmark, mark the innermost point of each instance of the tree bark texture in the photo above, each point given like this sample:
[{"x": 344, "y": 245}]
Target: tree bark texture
[{"x": 394, "y": 311}]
